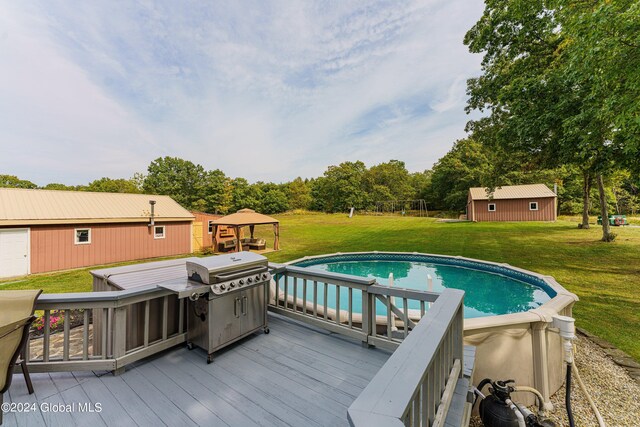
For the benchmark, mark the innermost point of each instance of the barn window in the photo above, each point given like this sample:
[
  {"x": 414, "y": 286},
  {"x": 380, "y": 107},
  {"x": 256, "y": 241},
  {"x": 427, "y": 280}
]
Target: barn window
[
  {"x": 492, "y": 207},
  {"x": 158, "y": 232},
  {"x": 82, "y": 236},
  {"x": 210, "y": 227},
  {"x": 533, "y": 206}
]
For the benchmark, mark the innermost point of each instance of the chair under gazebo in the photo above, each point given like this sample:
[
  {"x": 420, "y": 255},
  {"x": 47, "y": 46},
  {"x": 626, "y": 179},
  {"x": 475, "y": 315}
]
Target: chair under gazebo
[{"x": 245, "y": 218}]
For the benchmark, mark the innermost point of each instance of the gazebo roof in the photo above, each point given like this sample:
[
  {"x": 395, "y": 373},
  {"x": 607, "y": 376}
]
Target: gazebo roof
[{"x": 245, "y": 217}]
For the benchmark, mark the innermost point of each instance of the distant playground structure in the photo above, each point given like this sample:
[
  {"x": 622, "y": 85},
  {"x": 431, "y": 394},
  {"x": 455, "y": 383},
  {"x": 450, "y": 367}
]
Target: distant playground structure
[{"x": 417, "y": 207}]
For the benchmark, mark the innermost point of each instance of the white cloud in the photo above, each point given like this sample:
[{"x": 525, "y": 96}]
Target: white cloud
[{"x": 268, "y": 91}]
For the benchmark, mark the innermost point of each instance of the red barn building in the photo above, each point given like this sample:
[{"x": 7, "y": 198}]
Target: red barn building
[
  {"x": 44, "y": 230},
  {"x": 533, "y": 202}
]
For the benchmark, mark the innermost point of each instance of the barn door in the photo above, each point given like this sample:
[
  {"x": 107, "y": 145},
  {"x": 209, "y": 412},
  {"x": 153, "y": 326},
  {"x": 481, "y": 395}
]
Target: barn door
[{"x": 197, "y": 236}]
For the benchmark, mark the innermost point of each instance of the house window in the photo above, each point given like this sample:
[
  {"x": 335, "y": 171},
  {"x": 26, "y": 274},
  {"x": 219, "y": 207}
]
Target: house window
[
  {"x": 492, "y": 207},
  {"x": 158, "y": 232},
  {"x": 82, "y": 236},
  {"x": 533, "y": 206},
  {"x": 210, "y": 227}
]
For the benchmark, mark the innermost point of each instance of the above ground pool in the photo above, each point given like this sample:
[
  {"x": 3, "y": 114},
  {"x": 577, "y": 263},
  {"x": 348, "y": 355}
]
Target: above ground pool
[
  {"x": 508, "y": 311},
  {"x": 490, "y": 289}
]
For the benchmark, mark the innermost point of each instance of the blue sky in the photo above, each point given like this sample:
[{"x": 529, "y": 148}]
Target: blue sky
[{"x": 268, "y": 90}]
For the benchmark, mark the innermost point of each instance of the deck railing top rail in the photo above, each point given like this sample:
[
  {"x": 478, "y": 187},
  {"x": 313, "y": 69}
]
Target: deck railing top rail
[
  {"x": 386, "y": 399},
  {"x": 92, "y": 297},
  {"x": 331, "y": 276}
]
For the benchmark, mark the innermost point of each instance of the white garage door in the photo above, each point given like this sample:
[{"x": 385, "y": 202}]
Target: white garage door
[{"x": 14, "y": 252}]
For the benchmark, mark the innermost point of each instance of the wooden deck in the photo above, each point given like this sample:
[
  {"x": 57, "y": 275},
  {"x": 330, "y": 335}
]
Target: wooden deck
[{"x": 297, "y": 375}]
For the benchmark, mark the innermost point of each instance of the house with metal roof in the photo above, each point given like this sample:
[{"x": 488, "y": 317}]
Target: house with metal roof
[
  {"x": 46, "y": 230},
  {"x": 531, "y": 202}
]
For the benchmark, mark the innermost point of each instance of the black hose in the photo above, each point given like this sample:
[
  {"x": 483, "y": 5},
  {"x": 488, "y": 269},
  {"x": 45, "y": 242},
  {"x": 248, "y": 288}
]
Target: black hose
[
  {"x": 567, "y": 396},
  {"x": 481, "y": 385}
]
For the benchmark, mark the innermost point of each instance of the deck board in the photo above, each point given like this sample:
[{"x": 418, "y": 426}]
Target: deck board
[
  {"x": 306, "y": 401},
  {"x": 156, "y": 402},
  {"x": 130, "y": 401},
  {"x": 18, "y": 393},
  {"x": 358, "y": 374},
  {"x": 76, "y": 395},
  {"x": 297, "y": 375},
  {"x": 206, "y": 384}
]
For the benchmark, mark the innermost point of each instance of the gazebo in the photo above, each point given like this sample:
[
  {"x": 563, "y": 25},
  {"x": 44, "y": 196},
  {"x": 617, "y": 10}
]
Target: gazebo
[{"x": 244, "y": 218}]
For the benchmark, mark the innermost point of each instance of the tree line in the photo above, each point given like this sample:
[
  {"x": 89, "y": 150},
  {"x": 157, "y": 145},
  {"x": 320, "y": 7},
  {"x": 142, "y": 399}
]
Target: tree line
[{"x": 444, "y": 187}]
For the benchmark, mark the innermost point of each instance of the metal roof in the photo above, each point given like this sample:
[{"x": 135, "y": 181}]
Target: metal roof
[
  {"x": 30, "y": 207},
  {"x": 528, "y": 191}
]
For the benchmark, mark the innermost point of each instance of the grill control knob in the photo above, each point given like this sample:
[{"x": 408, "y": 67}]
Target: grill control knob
[
  {"x": 249, "y": 280},
  {"x": 232, "y": 285},
  {"x": 223, "y": 287},
  {"x": 241, "y": 282},
  {"x": 264, "y": 276},
  {"x": 257, "y": 277}
]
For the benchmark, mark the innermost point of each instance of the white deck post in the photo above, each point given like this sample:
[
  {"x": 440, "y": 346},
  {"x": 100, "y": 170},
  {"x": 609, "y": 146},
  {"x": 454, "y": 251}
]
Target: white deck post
[{"x": 392, "y": 300}]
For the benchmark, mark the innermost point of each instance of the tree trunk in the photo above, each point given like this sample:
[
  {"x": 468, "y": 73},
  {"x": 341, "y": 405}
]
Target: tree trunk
[
  {"x": 604, "y": 211},
  {"x": 586, "y": 189}
]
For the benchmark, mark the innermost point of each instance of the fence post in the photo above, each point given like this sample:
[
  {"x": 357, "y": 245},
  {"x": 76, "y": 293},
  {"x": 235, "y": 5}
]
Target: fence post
[{"x": 119, "y": 337}]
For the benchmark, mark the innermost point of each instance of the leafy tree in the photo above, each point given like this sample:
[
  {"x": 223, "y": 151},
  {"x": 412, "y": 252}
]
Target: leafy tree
[
  {"x": 341, "y": 188},
  {"x": 226, "y": 197},
  {"x": 274, "y": 200},
  {"x": 626, "y": 187},
  {"x": 184, "y": 181},
  {"x": 394, "y": 176},
  {"x": 216, "y": 194},
  {"x": 299, "y": 194},
  {"x": 602, "y": 55},
  {"x": 421, "y": 184},
  {"x": 109, "y": 185},
  {"x": 244, "y": 195},
  {"x": 382, "y": 193},
  {"x": 138, "y": 180},
  {"x": 463, "y": 167},
  {"x": 58, "y": 186},
  {"x": 12, "y": 181}
]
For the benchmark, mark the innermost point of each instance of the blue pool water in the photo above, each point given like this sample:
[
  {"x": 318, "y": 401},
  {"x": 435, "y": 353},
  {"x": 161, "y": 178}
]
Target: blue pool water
[{"x": 487, "y": 292}]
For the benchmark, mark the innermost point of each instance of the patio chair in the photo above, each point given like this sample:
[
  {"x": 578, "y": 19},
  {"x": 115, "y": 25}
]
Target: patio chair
[
  {"x": 227, "y": 245},
  {"x": 258, "y": 244},
  {"x": 16, "y": 316}
]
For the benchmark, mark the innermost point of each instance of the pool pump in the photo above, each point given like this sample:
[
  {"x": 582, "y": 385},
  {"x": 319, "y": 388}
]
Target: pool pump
[{"x": 498, "y": 410}]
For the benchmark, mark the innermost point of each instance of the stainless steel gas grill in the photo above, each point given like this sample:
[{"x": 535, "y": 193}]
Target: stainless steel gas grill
[{"x": 228, "y": 299}]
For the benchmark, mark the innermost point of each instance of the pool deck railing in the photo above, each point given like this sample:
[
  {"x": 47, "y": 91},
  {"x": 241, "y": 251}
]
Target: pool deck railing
[{"x": 417, "y": 386}]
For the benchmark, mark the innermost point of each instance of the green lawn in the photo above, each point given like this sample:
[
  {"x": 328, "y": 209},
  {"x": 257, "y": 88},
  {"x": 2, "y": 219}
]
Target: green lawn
[{"x": 606, "y": 277}]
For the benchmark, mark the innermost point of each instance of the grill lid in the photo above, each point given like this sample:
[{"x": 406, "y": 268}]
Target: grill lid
[{"x": 206, "y": 269}]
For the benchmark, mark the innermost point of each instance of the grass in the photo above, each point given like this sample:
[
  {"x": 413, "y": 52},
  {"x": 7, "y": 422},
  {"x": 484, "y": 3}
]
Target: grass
[{"x": 606, "y": 276}]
